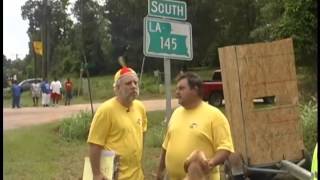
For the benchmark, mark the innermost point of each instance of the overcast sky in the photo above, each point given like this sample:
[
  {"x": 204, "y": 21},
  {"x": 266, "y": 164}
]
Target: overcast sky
[{"x": 15, "y": 38}]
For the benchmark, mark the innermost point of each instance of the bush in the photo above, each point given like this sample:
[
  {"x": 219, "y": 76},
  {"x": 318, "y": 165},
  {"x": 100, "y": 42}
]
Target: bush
[
  {"x": 308, "y": 114},
  {"x": 76, "y": 127}
]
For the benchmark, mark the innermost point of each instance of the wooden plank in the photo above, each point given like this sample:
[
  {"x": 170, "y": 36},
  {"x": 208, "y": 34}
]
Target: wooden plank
[{"x": 231, "y": 91}]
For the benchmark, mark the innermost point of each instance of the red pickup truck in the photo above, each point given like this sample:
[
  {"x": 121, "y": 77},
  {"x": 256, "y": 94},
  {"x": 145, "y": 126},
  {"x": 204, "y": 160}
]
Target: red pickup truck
[{"x": 212, "y": 90}]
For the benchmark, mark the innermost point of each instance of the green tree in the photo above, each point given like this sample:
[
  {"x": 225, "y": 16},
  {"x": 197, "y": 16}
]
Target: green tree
[
  {"x": 280, "y": 19},
  {"x": 31, "y": 11},
  {"x": 299, "y": 21},
  {"x": 61, "y": 34},
  {"x": 94, "y": 41},
  {"x": 126, "y": 29},
  {"x": 216, "y": 24}
]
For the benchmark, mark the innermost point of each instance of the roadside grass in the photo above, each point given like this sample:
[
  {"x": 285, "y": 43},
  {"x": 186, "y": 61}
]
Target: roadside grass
[
  {"x": 40, "y": 152},
  {"x": 25, "y": 100},
  {"x": 153, "y": 142},
  {"x": 31, "y": 153}
]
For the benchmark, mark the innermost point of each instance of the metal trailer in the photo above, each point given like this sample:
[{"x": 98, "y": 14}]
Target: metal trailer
[
  {"x": 267, "y": 137},
  {"x": 283, "y": 169}
]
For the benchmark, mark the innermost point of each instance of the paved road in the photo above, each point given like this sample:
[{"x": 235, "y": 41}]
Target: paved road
[{"x": 15, "y": 118}]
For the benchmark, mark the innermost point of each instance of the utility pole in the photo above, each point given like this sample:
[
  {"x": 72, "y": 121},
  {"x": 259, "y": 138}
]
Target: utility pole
[
  {"x": 48, "y": 39},
  {"x": 84, "y": 57},
  {"x": 44, "y": 39}
]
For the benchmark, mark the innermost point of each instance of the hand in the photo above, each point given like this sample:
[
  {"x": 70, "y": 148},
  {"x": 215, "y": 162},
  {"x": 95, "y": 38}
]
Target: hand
[
  {"x": 99, "y": 177},
  {"x": 210, "y": 165},
  {"x": 199, "y": 158},
  {"x": 186, "y": 165}
]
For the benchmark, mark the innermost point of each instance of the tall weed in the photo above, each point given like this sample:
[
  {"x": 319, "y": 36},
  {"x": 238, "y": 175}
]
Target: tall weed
[
  {"x": 155, "y": 135},
  {"x": 308, "y": 114},
  {"x": 76, "y": 127},
  {"x": 156, "y": 129}
]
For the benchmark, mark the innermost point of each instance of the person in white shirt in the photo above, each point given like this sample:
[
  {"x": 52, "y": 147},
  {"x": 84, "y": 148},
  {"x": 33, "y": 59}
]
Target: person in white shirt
[
  {"x": 45, "y": 96},
  {"x": 55, "y": 88},
  {"x": 35, "y": 92}
]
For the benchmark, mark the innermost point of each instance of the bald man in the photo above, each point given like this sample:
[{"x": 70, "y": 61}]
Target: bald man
[{"x": 119, "y": 125}]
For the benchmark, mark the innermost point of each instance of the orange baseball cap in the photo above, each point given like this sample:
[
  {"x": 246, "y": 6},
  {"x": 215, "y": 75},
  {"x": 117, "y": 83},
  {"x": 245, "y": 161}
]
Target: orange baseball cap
[{"x": 122, "y": 72}]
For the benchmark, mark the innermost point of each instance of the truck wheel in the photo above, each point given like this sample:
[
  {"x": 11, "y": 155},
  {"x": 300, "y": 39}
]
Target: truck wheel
[{"x": 215, "y": 99}]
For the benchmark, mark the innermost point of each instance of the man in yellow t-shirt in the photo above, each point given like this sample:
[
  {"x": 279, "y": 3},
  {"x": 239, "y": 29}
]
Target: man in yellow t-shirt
[
  {"x": 195, "y": 125},
  {"x": 119, "y": 125}
]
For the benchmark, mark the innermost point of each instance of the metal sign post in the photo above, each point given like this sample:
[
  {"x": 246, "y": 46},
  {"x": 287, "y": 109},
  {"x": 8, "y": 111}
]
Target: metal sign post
[
  {"x": 167, "y": 81},
  {"x": 167, "y": 36}
]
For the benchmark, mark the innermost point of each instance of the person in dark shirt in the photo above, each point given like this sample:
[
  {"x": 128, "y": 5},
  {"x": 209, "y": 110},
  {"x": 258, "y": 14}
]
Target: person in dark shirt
[
  {"x": 16, "y": 93},
  {"x": 68, "y": 86}
]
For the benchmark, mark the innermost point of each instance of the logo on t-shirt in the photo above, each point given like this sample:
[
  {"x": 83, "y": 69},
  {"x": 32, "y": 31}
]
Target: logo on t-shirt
[
  {"x": 139, "y": 121},
  {"x": 193, "y": 125}
]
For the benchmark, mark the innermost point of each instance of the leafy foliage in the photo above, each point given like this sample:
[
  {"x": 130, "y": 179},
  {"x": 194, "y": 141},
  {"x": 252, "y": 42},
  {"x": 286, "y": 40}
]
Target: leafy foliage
[
  {"x": 290, "y": 18},
  {"x": 308, "y": 114},
  {"x": 93, "y": 39}
]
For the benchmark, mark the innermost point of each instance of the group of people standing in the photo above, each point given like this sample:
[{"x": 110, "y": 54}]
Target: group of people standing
[
  {"x": 53, "y": 91},
  {"x": 47, "y": 92}
]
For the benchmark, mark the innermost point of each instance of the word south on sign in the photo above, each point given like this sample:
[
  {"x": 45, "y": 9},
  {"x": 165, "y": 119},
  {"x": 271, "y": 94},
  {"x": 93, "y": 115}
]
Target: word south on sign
[{"x": 168, "y": 9}]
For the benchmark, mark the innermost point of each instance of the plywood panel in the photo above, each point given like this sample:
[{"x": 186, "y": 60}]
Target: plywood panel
[
  {"x": 259, "y": 70},
  {"x": 231, "y": 91},
  {"x": 274, "y": 133}
]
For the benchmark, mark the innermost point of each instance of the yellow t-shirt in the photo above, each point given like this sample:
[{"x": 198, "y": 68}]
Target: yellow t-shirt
[
  {"x": 204, "y": 128},
  {"x": 314, "y": 165},
  {"x": 115, "y": 128}
]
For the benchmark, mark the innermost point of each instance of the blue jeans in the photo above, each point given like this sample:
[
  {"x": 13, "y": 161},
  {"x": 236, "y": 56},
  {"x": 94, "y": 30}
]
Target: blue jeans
[{"x": 16, "y": 101}]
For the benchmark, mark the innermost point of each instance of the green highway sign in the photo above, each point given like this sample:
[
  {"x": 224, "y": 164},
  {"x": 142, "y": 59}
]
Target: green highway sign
[
  {"x": 168, "y": 9},
  {"x": 167, "y": 39}
]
